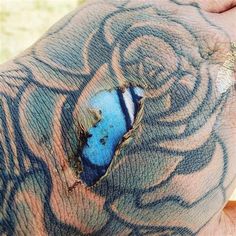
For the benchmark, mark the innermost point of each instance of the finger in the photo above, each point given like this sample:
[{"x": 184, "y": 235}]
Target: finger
[
  {"x": 217, "y": 6},
  {"x": 227, "y": 22}
]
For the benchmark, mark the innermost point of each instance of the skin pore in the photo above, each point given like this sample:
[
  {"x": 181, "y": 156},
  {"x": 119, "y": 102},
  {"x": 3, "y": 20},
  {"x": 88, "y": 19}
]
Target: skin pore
[{"x": 173, "y": 170}]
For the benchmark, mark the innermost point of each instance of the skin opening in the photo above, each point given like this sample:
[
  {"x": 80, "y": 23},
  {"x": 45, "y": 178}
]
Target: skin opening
[{"x": 118, "y": 110}]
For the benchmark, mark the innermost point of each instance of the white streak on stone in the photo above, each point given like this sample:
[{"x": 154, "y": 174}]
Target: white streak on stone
[{"x": 129, "y": 104}]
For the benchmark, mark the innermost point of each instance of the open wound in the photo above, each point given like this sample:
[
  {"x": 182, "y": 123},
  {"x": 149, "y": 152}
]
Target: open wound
[{"x": 118, "y": 110}]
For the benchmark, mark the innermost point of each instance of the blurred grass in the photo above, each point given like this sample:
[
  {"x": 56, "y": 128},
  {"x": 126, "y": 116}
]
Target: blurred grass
[{"x": 22, "y": 22}]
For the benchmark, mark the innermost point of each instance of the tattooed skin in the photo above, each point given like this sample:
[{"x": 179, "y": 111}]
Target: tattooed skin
[{"x": 112, "y": 124}]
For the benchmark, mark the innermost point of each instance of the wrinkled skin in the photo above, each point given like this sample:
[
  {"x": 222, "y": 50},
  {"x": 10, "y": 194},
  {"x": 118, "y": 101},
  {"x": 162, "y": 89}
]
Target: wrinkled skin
[{"x": 174, "y": 171}]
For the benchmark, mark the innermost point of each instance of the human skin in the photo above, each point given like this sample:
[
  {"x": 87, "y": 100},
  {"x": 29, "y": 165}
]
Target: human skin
[{"x": 174, "y": 170}]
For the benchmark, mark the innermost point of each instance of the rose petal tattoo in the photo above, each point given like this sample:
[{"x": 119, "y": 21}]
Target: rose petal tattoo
[{"x": 116, "y": 122}]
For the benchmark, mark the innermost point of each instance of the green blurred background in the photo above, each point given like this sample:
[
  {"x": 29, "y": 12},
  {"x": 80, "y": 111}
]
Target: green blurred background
[{"x": 22, "y": 22}]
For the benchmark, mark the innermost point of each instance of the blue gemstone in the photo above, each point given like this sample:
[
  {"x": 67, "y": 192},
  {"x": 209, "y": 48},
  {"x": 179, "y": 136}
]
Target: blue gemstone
[{"x": 116, "y": 109}]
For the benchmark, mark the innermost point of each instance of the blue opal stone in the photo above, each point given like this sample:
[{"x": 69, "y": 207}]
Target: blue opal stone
[
  {"x": 108, "y": 132},
  {"x": 117, "y": 114}
]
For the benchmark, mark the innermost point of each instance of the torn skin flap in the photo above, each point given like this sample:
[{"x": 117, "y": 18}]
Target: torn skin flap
[{"x": 118, "y": 109}]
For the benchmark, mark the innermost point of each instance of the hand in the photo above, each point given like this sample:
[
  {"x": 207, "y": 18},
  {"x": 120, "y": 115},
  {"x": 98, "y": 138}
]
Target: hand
[{"x": 120, "y": 120}]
